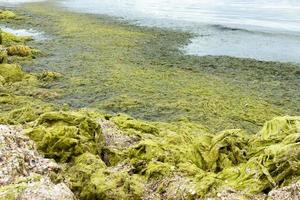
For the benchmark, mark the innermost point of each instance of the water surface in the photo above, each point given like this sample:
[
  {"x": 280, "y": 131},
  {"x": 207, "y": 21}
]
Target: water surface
[{"x": 261, "y": 29}]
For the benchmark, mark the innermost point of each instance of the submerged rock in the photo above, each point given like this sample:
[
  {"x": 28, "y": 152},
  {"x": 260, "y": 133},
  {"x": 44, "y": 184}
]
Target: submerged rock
[{"x": 23, "y": 173}]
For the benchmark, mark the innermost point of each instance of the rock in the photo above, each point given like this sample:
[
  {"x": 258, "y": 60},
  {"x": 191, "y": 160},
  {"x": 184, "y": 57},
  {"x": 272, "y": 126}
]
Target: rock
[
  {"x": 24, "y": 173},
  {"x": 46, "y": 190},
  {"x": 290, "y": 192}
]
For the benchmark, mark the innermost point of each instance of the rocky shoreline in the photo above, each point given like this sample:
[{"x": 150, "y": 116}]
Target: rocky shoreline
[{"x": 47, "y": 148}]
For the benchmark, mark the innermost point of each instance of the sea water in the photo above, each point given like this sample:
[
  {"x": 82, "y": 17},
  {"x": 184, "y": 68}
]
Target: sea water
[{"x": 260, "y": 29}]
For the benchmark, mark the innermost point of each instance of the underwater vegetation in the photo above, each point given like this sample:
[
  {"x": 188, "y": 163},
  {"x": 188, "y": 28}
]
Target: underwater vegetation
[{"x": 103, "y": 155}]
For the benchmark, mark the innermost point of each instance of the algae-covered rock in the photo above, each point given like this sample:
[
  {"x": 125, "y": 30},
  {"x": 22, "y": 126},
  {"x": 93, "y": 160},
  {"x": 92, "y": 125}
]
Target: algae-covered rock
[
  {"x": 11, "y": 72},
  {"x": 64, "y": 135},
  {"x": 115, "y": 141},
  {"x": 6, "y": 14},
  {"x": 49, "y": 76},
  {"x": 19, "y": 50}
]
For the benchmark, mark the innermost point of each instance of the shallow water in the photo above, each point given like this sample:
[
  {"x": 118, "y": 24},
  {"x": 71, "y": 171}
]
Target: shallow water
[
  {"x": 15, "y": 2},
  {"x": 25, "y": 32},
  {"x": 260, "y": 29}
]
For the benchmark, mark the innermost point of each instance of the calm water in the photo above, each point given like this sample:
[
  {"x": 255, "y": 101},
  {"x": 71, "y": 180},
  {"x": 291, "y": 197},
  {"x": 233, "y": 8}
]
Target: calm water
[{"x": 261, "y": 29}]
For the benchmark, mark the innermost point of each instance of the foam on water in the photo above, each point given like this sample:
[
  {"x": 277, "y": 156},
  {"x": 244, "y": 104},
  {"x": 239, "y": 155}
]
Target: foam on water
[
  {"x": 15, "y": 2},
  {"x": 25, "y": 32}
]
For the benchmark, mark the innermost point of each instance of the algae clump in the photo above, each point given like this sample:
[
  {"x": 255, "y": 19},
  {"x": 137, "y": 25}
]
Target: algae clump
[
  {"x": 19, "y": 50},
  {"x": 3, "y": 55},
  {"x": 6, "y": 14},
  {"x": 202, "y": 163},
  {"x": 11, "y": 39},
  {"x": 64, "y": 135},
  {"x": 11, "y": 72},
  {"x": 131, "y": 125},
  {"x": 49, "y": 76}
]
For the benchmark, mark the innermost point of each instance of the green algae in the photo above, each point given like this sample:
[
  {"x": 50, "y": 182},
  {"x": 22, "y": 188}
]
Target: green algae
[
  {"x": 209, "y": 161},
  {"x": 63, "y": 135},
  {"x": 80, "y": 172},
  {"x": 6, "y": 14},
  {"x": 49, "y": 76},
  {"x": 128, "y": 125},
  {"x": 11, "y": 72},
  {"x": 19, "y": 50},
  {"x": 3, "y": 56},
  {"x": 89, "y": 178},
  {"x": 141, "y": 72},
  {"x": 11, "y": 39}
]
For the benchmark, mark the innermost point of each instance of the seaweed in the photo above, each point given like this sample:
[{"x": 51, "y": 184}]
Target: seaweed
[
  {"x": 64, "y": 135},
  {"x": 3, "y": 55},
  {"x": 6, "y": 14},
  {"x": 210, "y": 162},
  {"x": 11, "y": 39},
  {"x": 11, "y": 72},
  {"x": 116, "y": 156},
  {"x": 49, "y": 76},
  {"x": 19, "y": 50}
]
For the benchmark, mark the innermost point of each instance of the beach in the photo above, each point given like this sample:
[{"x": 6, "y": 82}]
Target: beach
[{"x": 126, "y": 112}]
